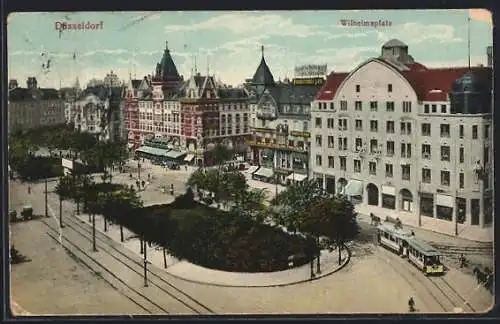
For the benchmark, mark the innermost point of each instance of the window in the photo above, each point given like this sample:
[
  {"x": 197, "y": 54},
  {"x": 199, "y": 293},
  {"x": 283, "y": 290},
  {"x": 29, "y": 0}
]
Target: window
[
  {"x": 389, "y": 105},
  {"x": 443, "y": 109},
  {"x": 445, "y": 153},
  {"x": 343, "y": 163},
  {"x": 330, "y": 123},
  {"x": 461, "y": 131},
  {"x": 389, "y": 127},
  {"x": 474, "y": 132},
  {"x": 358, "y": 144},
  {"x": 357, "y": 166},
  {"x": 331, "y": 162},
  {"x": 407, "y": 106},
  {"x": 373, "y": 106},
  {"x": 461, "y": 154},
  {"x": 373, "y": 126},
  {"x": 358, "y": 87},
  {"x": 405, "y": 172},
  {"x": 358, "y": 105},
  {"x": 318, "y": 122},
  {"x": 330, "y": 141},
  {"x": 389, "y": 87},
  {"x": 343, "y": 105},
  {"x": 405, "y": 150},
  {"x": 358, "y": 124},
  {"x": 405, "y": 128},
  {"x": 374, "y": 146},
  {"x": 373, "y": 168},
  {"x": 388, "y": 170},
  {"x": 461, "y": 180},
  {"x": 426, "y": 129},
  {"x": 426, "y": 175},
  {"x": 319, "y": 140},
  {"x": 445, "y": 130},
  {"x": 343, "y": 124},
  {"x": 318, "y": 160},
  {"x": 486, "y": 131},
  {"x": 426, "y": 151},
  {"x": 332, "y": 107},
  {"x": 342, "y": 143},
  {"x": 426, "y": 108},
  {"x": 445, "y": 178},
  {"x": 390, "y": 148},
  {"x": 305, "y": 126},
  {"x": 434, "y": 108}
]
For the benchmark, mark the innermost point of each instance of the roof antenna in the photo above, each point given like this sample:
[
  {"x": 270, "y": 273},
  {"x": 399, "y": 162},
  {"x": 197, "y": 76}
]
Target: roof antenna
[{"x": 468, "y": 36}]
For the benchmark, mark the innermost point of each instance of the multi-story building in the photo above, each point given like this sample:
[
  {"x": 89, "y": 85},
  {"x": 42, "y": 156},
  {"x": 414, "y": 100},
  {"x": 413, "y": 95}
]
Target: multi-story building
[
  {"x": 97, "y": 111},
  {"x": 34, "y": 107},
  {"x": 189, "y": 116},
  {"x": 70, "y": 95},
  {"x": 210, "y": 115},
  {"x": 151, "y": 107},
  {"x": 408, "y": 141},
  {"x": 280, "y": 118}
]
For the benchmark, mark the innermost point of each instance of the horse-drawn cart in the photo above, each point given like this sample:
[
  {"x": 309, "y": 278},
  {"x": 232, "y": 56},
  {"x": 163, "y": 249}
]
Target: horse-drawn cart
[{"x": 27, "y": 212}]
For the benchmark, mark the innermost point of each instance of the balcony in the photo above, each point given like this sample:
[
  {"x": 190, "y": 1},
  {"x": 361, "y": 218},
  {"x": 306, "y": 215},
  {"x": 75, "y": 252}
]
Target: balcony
[{"x": 277, "y": 146}]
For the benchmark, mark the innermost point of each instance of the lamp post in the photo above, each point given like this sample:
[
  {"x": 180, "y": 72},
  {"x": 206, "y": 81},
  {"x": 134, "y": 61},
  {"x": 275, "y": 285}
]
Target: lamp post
[
  {"x": 318, "y": 267},
  {"x": 164, "y": 258},
  {"x": 139, "y": 169},
  {"x": 121, "y": 233},
  {"x": 61, "y": 225},
  {"x": 145, "y": 264},
  {"x": 46, "y": 199},
  {"x": 94, "y": 247}
]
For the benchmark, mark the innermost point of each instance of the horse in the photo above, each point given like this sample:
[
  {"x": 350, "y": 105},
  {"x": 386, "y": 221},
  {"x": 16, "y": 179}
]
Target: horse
[{"x": 481, "y": 277}]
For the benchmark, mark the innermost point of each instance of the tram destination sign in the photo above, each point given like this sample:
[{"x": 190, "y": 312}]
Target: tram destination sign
[
  {"x": 309, "y": 81},
  {"x": 311, "y": 70}
]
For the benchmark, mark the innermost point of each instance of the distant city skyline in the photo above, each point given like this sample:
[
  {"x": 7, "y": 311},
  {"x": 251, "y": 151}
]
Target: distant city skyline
[{"x": 228, "y": 44}]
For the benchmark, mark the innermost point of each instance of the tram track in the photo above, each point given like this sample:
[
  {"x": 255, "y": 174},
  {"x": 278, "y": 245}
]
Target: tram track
[
  {"x": 106, "y": 244},
  {"x": 437, "y": 287}
]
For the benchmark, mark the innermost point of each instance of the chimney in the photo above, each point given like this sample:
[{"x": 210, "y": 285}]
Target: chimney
[
  {"x": 31, "y": 83},
  {"x": 489, "y": 55}
]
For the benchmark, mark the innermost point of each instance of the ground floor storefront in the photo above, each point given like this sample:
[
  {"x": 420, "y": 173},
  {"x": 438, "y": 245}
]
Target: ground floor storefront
[{"x": 417, "y": 207}]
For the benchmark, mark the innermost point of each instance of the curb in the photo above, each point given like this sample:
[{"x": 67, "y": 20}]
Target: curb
[{"x": 336, "y": 269}]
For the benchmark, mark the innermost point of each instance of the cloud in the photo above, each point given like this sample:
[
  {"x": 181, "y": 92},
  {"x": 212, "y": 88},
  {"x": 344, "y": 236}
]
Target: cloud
[
  {"x": 417, "y": 33},
  {"x": 474, "y": 60},
  {"x": 248, "y": 23},
  {"x": 481, "y": 15}
]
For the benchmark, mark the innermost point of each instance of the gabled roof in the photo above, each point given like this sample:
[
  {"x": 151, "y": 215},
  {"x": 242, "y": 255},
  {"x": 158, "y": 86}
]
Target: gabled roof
[
  {"x": 428, "y": 84},
  {"x": 232, "y": 93},
  {"x": 333, "y": 81}
]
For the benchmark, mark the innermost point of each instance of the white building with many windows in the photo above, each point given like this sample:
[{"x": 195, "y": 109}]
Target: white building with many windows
[{"x": 406, "y": 141}]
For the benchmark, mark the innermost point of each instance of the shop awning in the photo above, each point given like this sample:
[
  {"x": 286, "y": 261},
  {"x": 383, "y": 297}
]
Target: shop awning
[
  {"x": 296, "y": 177},
  {"x": 153, "y": 151},
  {"x": 189, "y": 158},
  {"x": 264, "y": 172},
  {"x": 353, "y": 188},
  {"x": 175, "y": 154}
]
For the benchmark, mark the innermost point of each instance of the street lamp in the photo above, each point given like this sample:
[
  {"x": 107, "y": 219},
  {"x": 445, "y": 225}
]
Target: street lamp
[
  {"x": 60, "y": 212},
  {"x": 46, "y": 199},
  {"x": 318, "y": 269},
  {"x": 145, "y": 264}
]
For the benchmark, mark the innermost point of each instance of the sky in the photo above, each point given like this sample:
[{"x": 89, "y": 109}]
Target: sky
[{"x": 228, "y": 44}]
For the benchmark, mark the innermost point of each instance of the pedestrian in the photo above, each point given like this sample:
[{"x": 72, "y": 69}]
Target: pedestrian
[
  {"x": 411, "y": 304},
  {"x": 186, "y": 167},
  {"x": 149, "y": 176},
  {"x": 462, "y": 260},
  {"x": 29, "y": 190},
  {"x": 131, "y": 176}
]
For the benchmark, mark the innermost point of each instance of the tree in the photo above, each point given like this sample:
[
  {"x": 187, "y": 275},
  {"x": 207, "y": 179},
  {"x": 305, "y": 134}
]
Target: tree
[
  {"x": 251, "y": 203},
  {"x": 221, "y": 154},
  {"x": 294, "y": 201},
  {"x": 334, "y": 218}
]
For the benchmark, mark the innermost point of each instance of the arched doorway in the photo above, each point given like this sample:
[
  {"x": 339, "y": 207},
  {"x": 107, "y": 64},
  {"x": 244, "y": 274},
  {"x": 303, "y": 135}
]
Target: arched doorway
[
  {"x": 372, "y": 191},
  {"x": 341, "y": 183},
  {"x": 406, "y": 200}
]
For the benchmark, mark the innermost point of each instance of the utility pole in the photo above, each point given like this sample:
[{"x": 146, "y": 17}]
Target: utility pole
[
  {"x": 60, "y": 212},
  {"x": 145, "y": 264},
  {"x": 318, "y": 268},
  {"x": 121, "y": 233},
  {"x": 139, "y": 169},
  {"x": 164, "y": 258},
  {"x": 46, "y": 199},
  {"x": 93, "y": 233},
  {"x": 141, "y": 244},
  {"x": 312, "y": 258}
]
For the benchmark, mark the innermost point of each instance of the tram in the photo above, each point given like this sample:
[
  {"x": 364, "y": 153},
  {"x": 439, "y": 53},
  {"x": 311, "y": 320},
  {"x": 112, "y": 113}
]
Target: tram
[
  {"x": 424, "y": 257},
  {"x": 403, "y": 242}
]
